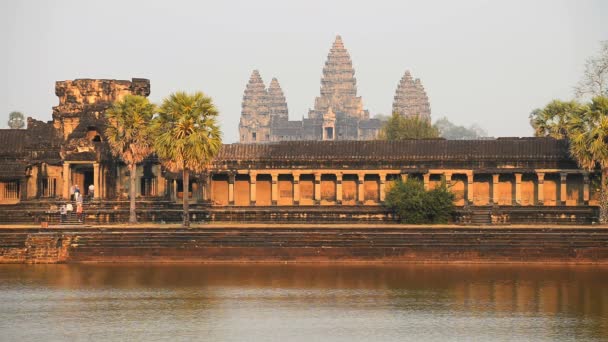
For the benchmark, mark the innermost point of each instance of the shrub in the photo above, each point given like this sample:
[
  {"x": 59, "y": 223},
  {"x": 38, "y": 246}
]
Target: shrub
[{"x": 414, "y": 205}]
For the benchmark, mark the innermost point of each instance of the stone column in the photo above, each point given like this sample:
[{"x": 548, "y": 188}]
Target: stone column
[
  {"x": 382, "y": 187},
  {"x": 205, "y": 187},
  {"x": 338, "y": 188},
  {"x": 317, "y": 188},
  {"x": 518, "y": 188},
  {"x": 252, "y": 188},
  {"x": 427, "y": 178},
  {"x": 448, "y": 178},
  {"x": 360, "y": 188},
  {"x": 495, "y": 180},
  {"x": 541, "y": 188},
  {"x": 231, "y": 177},
  {"x": 296, "y": 189},
  {"x": 470, "y": 184},
  {"x": 66, "y": 180},
  {"x": 563, "y": 177},
  {"x": 586, "y": 188},
  {"x": 96, "y": 190},
  {"x": 275, "y": 188},
  {"x": 175, "y": 189},
  {"x": 404, "y": 177}
]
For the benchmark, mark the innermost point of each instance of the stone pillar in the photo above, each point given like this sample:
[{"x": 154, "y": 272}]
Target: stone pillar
[
  {"x": 96, "y": 190},
  {"x": 175, "y": 189},
  {"x": 317, "y": 188},
  {"x": 296, "y": 189},
  {"x": 448, "y": 178},
  {"x": 338, "y": 188},
  {"x": 205, "y": 187},
  {"x": 66, "y": 180},
  {"x": 404, "y": 177},
  {"x": 361, "y": 188},
  {"x": 231, "y": 177},
  {"x": 541, "y": 188},
  {"x": 252, "y": 188},
  {"x": 275, "y": 188},
  {"x": 586, "y": 188},
  {"x": 563, "y": 177},
  {"x": 22, "y": 195},
  {"x": 518, "y": 188},
  {"x": 382, "y": 187},
  {"x": 427, "y": 178},
  {"x": 495, "y": 179},
  {"x": 470, "y": 184}
]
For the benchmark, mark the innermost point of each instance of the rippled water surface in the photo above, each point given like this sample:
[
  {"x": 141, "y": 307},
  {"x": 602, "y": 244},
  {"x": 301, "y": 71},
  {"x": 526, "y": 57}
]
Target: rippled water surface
[{"x": 303, "y": 302}]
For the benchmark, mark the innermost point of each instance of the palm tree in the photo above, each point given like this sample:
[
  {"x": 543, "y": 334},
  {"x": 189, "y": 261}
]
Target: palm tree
[
  {"x": 588, "y": 134},
  {"x": 127, "y": 132},
  {"x": 552, "y": 120},
  {"x": 187, "y": 136}
]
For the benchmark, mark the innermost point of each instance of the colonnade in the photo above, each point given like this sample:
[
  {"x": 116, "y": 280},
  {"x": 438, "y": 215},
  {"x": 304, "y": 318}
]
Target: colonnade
[{"x": 368, "y": 187}]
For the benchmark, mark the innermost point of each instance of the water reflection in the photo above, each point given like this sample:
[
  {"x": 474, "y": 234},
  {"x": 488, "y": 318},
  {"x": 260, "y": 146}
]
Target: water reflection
[{"x": 304, "y": 302}]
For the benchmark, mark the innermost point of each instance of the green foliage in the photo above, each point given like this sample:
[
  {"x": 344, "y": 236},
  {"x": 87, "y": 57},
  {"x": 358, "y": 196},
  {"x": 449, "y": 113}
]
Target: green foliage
[
  {"x": 552, "y": 120},
  {"x": 401, "y": 128},
  {"x": 414, "y": 205},
  {"x": 450, "y": 131},
  {"x": 16, "y": 120},
  {"x": 127, "y": 130},
  {"x": 187, "y": 135}
]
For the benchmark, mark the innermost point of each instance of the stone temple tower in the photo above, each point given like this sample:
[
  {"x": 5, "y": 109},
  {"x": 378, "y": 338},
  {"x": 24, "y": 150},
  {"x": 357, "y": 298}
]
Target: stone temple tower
[
  {"x": 255, "y": 116},
  {"x": 277, "y": 105},
  {"x": 339, "y": 87},
  {"x": 410, "y": 98}
]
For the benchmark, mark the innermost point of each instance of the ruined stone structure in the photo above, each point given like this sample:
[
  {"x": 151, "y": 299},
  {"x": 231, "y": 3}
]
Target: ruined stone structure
[
  {"x": 338, "y": 112},
  {"x": 411, "y": 100},
  {"x": 501, "y": 180}
]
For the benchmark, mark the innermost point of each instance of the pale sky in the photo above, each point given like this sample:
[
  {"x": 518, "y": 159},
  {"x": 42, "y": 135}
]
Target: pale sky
[{"x": 485, "y": 62}]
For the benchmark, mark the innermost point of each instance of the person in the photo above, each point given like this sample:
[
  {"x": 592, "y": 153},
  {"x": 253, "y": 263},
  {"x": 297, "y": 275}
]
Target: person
[
  {"x": 79, "y": 211},
  {"x": 62, "y": 213},
  {"x": 91, "y": 191},
  {"x": 72, "y": 190},
  {"x": 77, "y": 194},
  {"x": 69, "y": 209}
]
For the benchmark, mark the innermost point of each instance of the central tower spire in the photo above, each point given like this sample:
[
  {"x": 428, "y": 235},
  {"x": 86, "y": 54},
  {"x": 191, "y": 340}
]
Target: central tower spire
[{"x": 339, "y": 86}]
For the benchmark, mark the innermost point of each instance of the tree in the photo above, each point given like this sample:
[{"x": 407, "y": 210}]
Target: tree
[
  {"x": 552, "y": 121},
  {"x": 585, "y": 126},
  {"x": 414, "y": 205},
  {"x": 595, "y": 77},
  {"x": 399, "y": 127},
  {"x": 128, "y": 136},
  {"x": 187, "y": 136},
  {"x": 588, "y": 135},
  {"x": 16, "y": 120},
  {"x": 450, "y": 131}
]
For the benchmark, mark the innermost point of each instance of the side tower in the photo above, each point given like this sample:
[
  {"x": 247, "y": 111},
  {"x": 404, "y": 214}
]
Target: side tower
[
  {"x": 410, "y": 98},
  {"x": 339, "y": 87},
  {"x": 277, "y": 105},
  {"x": 254, "y": 125},
  {"x": 82, "y": 103}
]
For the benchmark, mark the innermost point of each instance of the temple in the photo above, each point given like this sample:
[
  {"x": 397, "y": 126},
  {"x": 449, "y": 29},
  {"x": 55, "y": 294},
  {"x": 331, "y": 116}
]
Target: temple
[
  {"x": 411, "y": 99},
  {"x": 338, "y": 112},
  {"x": 327, "y": 167},
  {"x": 506, "y": 180}
]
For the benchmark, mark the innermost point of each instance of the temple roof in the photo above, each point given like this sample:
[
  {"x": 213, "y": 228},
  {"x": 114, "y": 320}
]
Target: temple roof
[{"x": 408, "y": 150}]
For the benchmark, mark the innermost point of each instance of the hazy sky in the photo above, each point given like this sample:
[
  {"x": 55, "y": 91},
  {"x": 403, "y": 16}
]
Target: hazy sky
[{"x": 485, "y": 62}]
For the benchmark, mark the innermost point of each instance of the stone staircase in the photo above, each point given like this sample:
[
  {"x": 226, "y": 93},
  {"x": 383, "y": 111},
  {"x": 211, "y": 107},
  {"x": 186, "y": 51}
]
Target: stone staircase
[
  {"x": 314, "y": 244},
  {"x": 481, "y": 215}
]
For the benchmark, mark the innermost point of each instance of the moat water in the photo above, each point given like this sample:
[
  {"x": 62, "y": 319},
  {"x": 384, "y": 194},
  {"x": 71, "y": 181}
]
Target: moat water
[{"x": 303, "y": 302}]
